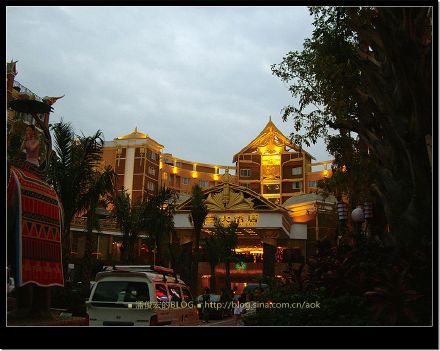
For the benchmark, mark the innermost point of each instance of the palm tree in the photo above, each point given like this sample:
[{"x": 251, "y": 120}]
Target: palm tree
[
  {"x": 103, "y": 184},
  {"x": 199, "y": 211},
  {"x": 213, "y": 249},
  {"x": 158, "y": 220},
  {"x": 72, "y": 170},
  {"x": 227, "y": 239},
  {"x": 129, "y": 217}
]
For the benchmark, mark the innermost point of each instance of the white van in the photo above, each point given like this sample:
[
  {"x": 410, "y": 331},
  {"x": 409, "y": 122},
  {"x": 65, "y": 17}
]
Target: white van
[{"x": 140, "y": 296}]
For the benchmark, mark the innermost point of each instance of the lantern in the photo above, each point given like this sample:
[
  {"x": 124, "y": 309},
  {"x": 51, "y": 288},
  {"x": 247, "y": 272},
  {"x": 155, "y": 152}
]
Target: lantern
[{"x": 358, "y": 214}]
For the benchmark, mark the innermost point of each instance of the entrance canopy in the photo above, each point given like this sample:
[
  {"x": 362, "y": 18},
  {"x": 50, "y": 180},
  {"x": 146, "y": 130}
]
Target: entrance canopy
[{"x": 256, "y": 215}]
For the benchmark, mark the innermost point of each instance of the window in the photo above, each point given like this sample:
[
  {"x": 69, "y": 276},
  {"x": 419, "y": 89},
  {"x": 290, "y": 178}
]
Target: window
[
  {"x": 186, "y": 294},
  {"x": 185, "y": 181},
  {"x": 246, "y": 185},
  {"x": 151, "y": 154},
  {"x": 211, "y": 184},
  {"x": 150, "y": 186},
  {"x": 175, "y": 293},
  {"x": 161, "y": 293},
  {"x": 112, "y": 291},
  {"x": 313, "y": 183},
  {"x": 165, "y": 176},
  {"x": 151, "y": 170},
  {"x": 296, "y": 185},
  {"x": 297, "y": 171},
  {"x": 203, "y": 183},
  {"x": 245, "y": 172}
]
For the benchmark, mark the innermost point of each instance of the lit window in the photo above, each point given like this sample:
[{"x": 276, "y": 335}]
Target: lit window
[
  {"x": 245, "y": 172},
  {"x": 297, "y": 171},
  {"x": 165, "y": 176},
  {"x": 150, "y": 186}
]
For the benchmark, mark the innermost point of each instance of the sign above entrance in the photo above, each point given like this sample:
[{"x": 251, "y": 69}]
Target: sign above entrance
[{"x": 244, "y": 220}]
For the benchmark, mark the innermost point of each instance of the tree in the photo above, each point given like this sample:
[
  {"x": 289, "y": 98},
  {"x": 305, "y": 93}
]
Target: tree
[
  {"x": 103, "y": 183},
  {"x": 159, "y": 220},
  {"x": 199, "y": 211},
  {"x": 130, "y": 219},
  {"x": 213, "y": 250},
  {"x": 367, "y": 72},
  {"x": 72, "y": 171},
  {"x": 227, "y": 240}
]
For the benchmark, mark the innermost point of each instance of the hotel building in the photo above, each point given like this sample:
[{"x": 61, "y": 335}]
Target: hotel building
[{"x": 270, "y": 190}]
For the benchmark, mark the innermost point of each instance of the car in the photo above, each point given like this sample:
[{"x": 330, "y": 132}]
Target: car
[
  {"x": 140, "y": 296},
  {"x": 219, "y": 310}
]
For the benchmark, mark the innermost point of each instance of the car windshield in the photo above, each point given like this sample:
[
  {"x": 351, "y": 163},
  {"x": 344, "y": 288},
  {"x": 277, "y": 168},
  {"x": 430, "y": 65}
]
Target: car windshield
[{"x": 121, "y": 291}]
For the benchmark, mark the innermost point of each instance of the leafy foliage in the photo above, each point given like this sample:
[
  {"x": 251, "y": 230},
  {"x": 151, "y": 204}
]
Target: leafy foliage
[
  {"x": 72, "y": 172},
  {"x": 365, "y": 73}
]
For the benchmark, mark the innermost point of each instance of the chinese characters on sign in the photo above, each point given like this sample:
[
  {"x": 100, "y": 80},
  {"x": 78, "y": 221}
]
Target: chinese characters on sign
[{"x": 244, "y": 220}]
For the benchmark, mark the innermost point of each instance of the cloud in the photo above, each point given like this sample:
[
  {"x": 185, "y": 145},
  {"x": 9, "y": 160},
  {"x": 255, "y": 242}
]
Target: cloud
[{"x": 196, "y": 79}]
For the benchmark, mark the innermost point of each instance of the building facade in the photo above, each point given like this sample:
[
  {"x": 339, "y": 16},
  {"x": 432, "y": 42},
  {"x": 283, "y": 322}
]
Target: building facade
[{"x": 269, "y": 191}]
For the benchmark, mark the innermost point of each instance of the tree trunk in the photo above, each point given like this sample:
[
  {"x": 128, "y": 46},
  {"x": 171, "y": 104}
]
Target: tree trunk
[
  {"x": 66, "y": 245},
  {"x": 195, "y": 262},
  {"x": 87, "y": 260},
  {"x": 212, "y": 278},
  {"x": 227, "y": 276}
]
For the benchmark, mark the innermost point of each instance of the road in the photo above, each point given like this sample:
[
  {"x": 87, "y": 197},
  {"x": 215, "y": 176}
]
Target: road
[{"x": 219, "y": 323}]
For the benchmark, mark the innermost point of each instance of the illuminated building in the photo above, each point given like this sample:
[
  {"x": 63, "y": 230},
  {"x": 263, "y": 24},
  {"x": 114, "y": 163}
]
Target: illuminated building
[
  {"x": 275, "y": 168},
  {"x": 270, "y": 191}
]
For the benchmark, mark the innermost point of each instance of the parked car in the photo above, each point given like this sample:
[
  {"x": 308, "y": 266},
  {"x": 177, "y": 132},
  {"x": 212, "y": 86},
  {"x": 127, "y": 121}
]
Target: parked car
[
  {"x": 140, "y": 295},
  {"x": 220, "y": 310}
]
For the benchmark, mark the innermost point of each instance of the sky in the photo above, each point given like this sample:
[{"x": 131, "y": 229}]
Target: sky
[{"x": 195, "y": 79}]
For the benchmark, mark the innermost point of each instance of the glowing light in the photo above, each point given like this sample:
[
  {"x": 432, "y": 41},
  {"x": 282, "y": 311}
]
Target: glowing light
[
  {"x": 160, "y": 164},
  {"x": 194, "y": 174},
  {"x": 216, "y": 177},
  {"x": 344, "y": 169},
  {"x": 269, "y": 160},
  {"x": 174, "y": 170},
  {"x": 325, "y": 173}
]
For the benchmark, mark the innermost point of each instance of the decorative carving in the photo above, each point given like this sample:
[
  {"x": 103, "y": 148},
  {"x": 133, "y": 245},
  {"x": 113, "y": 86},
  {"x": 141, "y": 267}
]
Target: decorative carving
[{"x": 228, "y": 200}]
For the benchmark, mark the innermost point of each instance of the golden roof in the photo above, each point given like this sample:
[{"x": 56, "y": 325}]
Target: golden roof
[
  {"x": 133, "y": 135},
  {"x": 270, "y": 140},
  {"x": 138, "y": 135}
]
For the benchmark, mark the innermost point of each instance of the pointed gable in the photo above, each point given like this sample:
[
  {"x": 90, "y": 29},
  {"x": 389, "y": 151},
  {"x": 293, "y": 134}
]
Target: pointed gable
[{"x": 270, "y": 140}]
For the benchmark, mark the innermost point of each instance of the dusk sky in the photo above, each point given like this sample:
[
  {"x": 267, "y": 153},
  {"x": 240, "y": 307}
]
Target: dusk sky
[{"x": 195, "y": 79}]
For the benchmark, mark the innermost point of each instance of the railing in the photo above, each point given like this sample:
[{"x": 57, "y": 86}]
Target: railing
[
  {"x": 105, "y": 224},
  {"x": 22, "y": 89}
]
